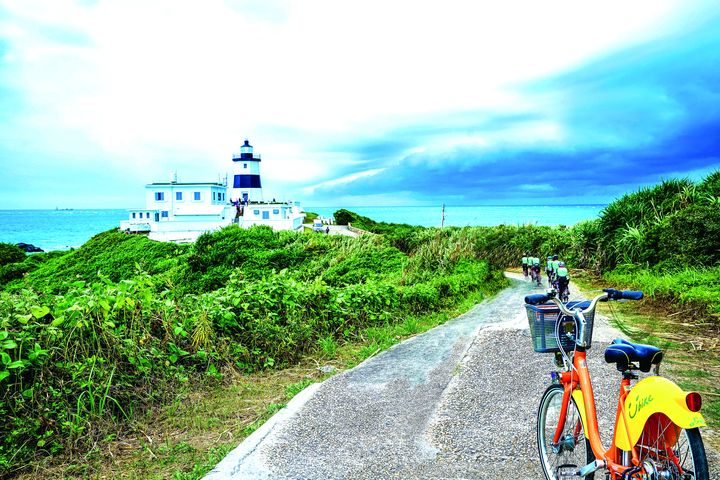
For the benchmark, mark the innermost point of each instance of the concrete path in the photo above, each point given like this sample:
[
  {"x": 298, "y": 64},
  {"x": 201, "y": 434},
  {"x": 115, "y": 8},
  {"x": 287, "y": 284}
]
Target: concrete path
[{"x": 458, "y": 402}]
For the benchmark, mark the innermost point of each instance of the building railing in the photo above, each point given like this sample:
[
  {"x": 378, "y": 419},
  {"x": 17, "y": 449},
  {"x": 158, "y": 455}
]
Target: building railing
[{"x": 239, "y": 156}]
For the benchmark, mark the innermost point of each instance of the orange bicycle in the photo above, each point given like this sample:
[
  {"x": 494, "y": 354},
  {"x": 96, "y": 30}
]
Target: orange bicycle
[{"x": 656, "y": 435}]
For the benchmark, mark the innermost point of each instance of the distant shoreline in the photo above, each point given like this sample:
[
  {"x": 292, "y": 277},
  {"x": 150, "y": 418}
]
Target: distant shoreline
[
  {"x": 494, "y": 205},
  {"x": 61, "y": 229}
]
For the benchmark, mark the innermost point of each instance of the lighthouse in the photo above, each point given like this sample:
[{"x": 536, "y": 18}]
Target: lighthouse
[{"x": 246, "y": 186}]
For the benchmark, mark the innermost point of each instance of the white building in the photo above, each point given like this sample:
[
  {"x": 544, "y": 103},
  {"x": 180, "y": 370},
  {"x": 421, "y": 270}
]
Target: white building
[{"x": 182, "y": 211}]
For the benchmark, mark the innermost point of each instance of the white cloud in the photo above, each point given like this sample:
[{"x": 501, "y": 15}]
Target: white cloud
[
  {"x": 536, "y": 187},
  {"x": 343, "y": 180},
  {"x": 148, "y": 85}
]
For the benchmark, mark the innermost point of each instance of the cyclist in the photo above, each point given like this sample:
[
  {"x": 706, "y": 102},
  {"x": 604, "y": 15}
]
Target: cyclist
[
  {"x": 554, "y": 266},
  {"x": 548, "y": 268},
  {"x": 525, "y": 265},
  {"x": 563, "y": 282},
  {"x": 536, "y": 270}
]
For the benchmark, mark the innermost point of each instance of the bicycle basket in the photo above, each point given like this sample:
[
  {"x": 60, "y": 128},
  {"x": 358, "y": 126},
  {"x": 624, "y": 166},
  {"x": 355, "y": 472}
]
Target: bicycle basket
[{"x": 542, "y": 320}]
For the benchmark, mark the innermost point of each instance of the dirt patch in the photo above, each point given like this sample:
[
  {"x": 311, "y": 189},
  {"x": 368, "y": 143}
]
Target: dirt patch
[{"x": 189, "y": 436}]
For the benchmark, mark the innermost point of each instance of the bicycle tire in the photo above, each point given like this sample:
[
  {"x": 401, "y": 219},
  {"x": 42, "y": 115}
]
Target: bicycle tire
[
  {"x": 547, "y": 420},
  {"x": 688, "y": 448}
]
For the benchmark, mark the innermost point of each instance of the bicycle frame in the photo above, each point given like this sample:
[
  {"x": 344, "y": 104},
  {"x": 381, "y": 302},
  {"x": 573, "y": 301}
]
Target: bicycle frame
[
  {"x": 612, "y": 458},
  {"x": 650, "y": 415},
  {"x": 623, "y": 452}
]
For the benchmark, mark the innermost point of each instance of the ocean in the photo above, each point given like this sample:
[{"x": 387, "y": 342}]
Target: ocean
[{"x": 65, "y": 229}]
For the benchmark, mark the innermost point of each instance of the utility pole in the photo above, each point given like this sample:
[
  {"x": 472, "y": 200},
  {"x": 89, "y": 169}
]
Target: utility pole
[{"x": 442, "y": 222}]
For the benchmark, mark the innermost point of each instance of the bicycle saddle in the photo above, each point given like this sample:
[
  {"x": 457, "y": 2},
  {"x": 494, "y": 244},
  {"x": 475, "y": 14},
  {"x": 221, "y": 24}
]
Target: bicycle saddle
[{"x": 624, "y": 353}]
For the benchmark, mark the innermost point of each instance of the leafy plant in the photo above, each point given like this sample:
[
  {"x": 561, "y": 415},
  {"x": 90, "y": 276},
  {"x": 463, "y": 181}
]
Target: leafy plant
[{"x": 10, "y": 253}]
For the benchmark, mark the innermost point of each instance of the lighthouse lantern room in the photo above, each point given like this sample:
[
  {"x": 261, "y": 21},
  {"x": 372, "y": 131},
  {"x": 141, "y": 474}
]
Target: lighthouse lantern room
[{"x": 246, "y": 186}]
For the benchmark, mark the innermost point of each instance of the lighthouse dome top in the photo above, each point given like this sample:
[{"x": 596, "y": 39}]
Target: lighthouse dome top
[{"x": 246, "y": 153}]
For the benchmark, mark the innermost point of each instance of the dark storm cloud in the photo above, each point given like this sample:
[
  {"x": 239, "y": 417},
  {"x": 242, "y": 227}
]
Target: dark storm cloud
[
  {"x": 479, "y": 175},
  {"x": 628, "y": 119}
]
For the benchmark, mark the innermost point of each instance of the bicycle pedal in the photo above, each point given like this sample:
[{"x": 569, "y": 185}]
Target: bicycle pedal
[{"x": 566, "y": 472}]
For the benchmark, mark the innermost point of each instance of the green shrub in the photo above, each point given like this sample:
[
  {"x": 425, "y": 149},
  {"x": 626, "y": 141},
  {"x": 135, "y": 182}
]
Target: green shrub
[
  {"x": 709, "y": 187},
  {"x": 10, "y": 253},
  {"x": 343, "y": 217},
  {"x": 92, "y": 337},
  {"x": 111, "y": 254},
  {"x": 691, "y": 236},
  {"x": 12, "y": 271}
]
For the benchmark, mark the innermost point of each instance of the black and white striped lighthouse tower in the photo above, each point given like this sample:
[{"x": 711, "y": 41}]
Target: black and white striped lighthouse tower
[{"x": 246, "y": 186}]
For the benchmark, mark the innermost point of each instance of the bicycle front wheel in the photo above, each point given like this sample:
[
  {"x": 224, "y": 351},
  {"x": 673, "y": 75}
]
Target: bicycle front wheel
[
  {"x": 560, "y": 461},
  {"x": 668, "y": 452}
]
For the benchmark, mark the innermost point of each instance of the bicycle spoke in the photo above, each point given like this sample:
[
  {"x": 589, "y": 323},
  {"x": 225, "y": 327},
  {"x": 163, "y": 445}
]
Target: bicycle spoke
[
  {"x": 561, "y": 460},
  {"x": 654, "y": 449},
  {"x": 664, "y": 449}
]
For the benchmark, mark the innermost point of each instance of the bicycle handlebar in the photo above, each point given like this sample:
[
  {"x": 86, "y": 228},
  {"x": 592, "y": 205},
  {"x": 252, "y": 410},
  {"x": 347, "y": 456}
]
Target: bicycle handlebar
[
  {"x": 578, "y": 314},
  {"x": 623, "y": 294},
  {"x": 608, "y": 294}
]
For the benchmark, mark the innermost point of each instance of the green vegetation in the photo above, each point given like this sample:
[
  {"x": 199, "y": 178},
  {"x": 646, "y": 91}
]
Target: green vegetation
[
  {"x": 10, "y": 254},
  {"x": 310, "y": 216},
  {"x": 663, "y": 240},
  {"x": 92, "y": 339},
  {"x": 11, "y": 262}
]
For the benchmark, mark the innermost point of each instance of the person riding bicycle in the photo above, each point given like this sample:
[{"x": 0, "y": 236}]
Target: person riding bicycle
[
  {"x": 554, "y": 266},
  {"x": 525, "y": 265},
  {"x": 548, "y": 268},
  {"x": 563, "y": 280},
  {"x": 536, "y": 269}
]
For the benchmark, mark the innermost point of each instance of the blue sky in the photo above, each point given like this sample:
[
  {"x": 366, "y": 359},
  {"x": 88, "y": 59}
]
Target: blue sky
[{"x": 358, "y": 102}]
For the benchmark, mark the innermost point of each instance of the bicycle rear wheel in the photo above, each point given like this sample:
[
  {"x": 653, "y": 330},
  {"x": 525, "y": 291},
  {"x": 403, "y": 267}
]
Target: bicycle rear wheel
[
  {"x": 565, "y": 295},
  {"x": 669, "y": 452},
  {"x": 561, "y": 461}
]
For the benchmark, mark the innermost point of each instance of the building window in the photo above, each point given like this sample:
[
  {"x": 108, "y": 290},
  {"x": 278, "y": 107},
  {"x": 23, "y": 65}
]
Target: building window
[
  {"x": 164, "y": 214},
  {"x": 159, "y": 196},
  {"x": 276, "y": 211},
  {"x": 133, "y": 214},
  {"x": 213, "y": 196},
  {"x": 266, "y": 215},
  {"x": 147, "y": 214},
  {"x": 244, "y": 165},
  {"x": 178, "y": 195},
  {"x": 197, "y": 195},
  {"x": 256, "y": 212}
]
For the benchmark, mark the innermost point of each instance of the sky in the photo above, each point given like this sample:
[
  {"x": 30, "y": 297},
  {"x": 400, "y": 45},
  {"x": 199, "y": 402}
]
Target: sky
[{"x": 357, "y": 103}]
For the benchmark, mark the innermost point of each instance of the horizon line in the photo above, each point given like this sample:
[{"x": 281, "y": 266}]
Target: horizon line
[{"x": 65, "y": 209}]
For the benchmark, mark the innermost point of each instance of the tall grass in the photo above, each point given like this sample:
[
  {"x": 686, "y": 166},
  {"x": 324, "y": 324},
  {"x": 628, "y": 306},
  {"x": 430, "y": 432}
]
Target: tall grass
[
  {"x": 698, "y": 286},
  {"x": 91, "y": 337},
  {"x": 82, "y": 352}
]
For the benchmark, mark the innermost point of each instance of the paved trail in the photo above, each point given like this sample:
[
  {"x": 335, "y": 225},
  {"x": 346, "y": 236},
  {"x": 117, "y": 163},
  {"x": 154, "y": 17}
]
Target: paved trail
[{"x": 458, "y": 402}]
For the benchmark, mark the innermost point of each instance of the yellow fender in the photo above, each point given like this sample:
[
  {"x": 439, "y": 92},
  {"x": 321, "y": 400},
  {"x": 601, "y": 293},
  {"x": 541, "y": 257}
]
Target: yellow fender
[
  {"x": 577, "y": 395},
  {"x": 649, "y": 396}
]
